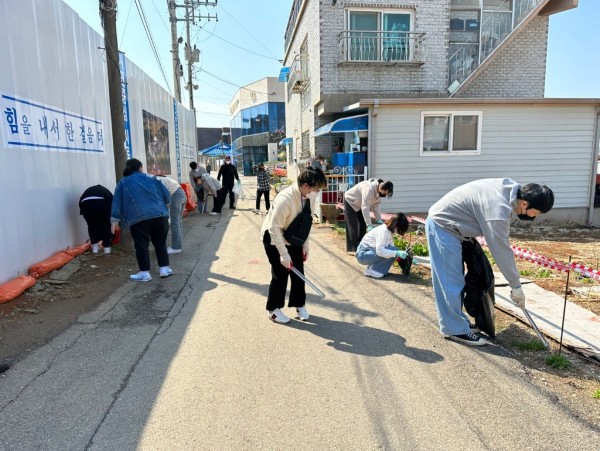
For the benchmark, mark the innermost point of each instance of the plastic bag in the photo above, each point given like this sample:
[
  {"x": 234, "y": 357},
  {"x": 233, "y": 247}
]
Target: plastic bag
[{"x": 238, "y": 190}]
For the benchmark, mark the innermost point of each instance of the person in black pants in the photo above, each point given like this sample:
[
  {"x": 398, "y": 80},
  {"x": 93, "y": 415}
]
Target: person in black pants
[
  {"x": 290, "y": 203},
  {"x": 229, "y": 173},
  {"x": 95, "y": 204}
]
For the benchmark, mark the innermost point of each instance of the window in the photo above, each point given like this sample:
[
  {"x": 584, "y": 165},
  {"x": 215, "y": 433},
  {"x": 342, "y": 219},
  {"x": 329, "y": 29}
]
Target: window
[
  {"x": 379, "y": 36},
  {"x": 305, "y": 145},
  {"x": 451, "y": 132}
]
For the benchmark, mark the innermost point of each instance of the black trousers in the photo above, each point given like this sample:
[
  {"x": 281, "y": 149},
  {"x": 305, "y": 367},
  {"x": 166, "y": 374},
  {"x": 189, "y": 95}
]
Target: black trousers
[
  {"x": 219, "y": 200},
  {"x": 356, "y": 228},
  {"x": 279, "y": 277},
  {"x": 229, "y": 189},
  {"x": 155, "y": 230},
  {"x": 260, "y": 193},
  {"x": 96, "y": 213}
]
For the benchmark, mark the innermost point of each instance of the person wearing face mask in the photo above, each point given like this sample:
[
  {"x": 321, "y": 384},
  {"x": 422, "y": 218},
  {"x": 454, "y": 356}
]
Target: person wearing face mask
[
  {"x": 229, "y": 173},
  {"x": 287, "y": 245},
  {"x": 377, "y": 250},
  {"x": 358, "y": 203},
  {"x": 479, "y": 208}
]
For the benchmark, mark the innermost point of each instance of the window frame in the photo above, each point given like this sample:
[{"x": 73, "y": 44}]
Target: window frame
[
  {"x": 380, "y": 28},
  {"x": 451, "y": 114}
]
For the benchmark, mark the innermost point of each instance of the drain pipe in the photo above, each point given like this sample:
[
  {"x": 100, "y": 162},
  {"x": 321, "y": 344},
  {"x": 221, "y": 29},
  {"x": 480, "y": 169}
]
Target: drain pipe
[
  {"x": 594, "y": 171},
  {"x": 371, "y": 140}
]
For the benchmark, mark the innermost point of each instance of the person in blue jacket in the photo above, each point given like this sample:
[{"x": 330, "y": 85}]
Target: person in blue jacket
[{"x": 141, "y": 203}]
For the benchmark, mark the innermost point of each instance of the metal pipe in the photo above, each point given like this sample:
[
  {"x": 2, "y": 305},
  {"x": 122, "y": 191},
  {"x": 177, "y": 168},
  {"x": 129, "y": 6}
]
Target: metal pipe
[
  {"x": 308, "y": 282},
  {"x": 537, "y": 331}
]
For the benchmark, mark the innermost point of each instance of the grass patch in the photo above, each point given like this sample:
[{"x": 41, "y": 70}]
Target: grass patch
[
  {"x": 596, "y": 394},
  {"x": 339, "y": 229},
  {"x": 528, "y": 345},
  {"x": 558, "y": 362},
  {"x": 526, "y": 272},
  {"x": 543, "y": 274}
]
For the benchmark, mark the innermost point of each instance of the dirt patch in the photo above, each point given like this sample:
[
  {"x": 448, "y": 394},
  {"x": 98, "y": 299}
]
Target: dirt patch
[{"x": 49, "y": 308}]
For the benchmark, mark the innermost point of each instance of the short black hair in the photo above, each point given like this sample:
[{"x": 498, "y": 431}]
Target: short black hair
[
  {"x": 538, "y": 197},
  {"x": 387, "y": 186},
  {"x": 398, "y": 223},
  {"x": 193, "y": 165},
  {"x": 313, "y": 177},
  {"x": 132, "y": 165}
]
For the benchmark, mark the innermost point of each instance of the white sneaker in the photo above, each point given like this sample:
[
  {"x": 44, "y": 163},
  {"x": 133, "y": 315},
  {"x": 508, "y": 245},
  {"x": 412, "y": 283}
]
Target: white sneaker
[
  {"x": 165, "y": 271},
  {"x": 212, "y": 213},
  {"x": 142, "y": 276},
  {"x": 170, "y": 250},
  {"x": 277, "y": 316},
  {"x": 95, "y": 248},
  {"x": 302, "y": 313},
  {"x": 370, "y": 272},
  {"x": 107, "y": 250}
]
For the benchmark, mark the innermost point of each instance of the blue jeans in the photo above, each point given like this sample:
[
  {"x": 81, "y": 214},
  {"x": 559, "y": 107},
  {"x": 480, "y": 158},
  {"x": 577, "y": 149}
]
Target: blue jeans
[
  {"x": 447, "y": 276},
  {"x": 178, "y": 200},
  {"x": 366, "y": 256}
]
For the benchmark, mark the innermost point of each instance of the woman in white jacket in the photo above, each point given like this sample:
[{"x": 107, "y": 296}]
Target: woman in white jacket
[
  {"x": 377, "y": 250},
  {"x": 358, "y": 203}
]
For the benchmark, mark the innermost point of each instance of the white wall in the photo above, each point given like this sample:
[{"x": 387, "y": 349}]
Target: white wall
[{"x": 53, "y": 64}]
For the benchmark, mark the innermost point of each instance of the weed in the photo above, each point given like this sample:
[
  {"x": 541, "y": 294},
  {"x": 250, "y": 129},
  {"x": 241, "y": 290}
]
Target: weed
[
  {"x": 339, "y": 229},
  {"x": 596, "y": 394},
  {"x": 544, "y": 274},
  {"x": 528, "y": 345},
  {"x": 558, "y": 362},
  {"x": 526, "y": 272}
]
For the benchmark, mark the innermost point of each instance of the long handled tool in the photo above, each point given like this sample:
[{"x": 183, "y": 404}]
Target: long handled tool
[
  {"x": 308, "y": 282},
  {"x": 537, "y": 331}
]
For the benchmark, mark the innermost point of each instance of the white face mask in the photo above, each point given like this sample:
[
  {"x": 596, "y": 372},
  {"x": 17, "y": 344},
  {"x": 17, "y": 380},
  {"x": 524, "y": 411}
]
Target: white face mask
[{"x": 312, "y": 195}]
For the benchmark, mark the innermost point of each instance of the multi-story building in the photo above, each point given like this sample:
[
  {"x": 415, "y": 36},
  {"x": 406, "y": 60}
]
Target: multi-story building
[
  {"x": 258, "y": 123},
  {"x": 434, "y": 93}
]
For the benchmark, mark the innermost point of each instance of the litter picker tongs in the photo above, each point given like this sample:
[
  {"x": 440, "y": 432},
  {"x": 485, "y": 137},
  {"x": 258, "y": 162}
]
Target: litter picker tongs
[
  {"x": 537, "y": 331},
  {"x": 307, "y": 282}
]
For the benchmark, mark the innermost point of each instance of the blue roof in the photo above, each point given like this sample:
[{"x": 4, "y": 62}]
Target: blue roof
[
  {"x": 345, "y": 124},
  {"x": 285, "y": 141},
  {"x": 218, "y": 150}
]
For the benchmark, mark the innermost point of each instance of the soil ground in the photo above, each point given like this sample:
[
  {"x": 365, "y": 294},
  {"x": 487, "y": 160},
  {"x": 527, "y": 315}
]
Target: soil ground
[{"x": 46, "y": 310}]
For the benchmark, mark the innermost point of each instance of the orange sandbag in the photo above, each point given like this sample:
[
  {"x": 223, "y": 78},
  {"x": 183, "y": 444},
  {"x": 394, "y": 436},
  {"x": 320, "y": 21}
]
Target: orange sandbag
[
  {"x": 190, "y": 204},
  {"x": 78, "y": 250},
  {"x": 53, "y": 262},
  {"x": 14, "y": 288}
]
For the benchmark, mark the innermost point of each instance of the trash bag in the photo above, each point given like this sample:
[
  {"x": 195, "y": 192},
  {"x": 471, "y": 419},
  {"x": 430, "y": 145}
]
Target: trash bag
[
  {"x": 405, "y": 264},
  {"x": 478, "y": 293},
  {"x": 238, "y": 190}
]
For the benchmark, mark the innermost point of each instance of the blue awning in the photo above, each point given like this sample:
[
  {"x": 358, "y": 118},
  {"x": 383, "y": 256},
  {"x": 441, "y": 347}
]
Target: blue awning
[
  {"x": 285, "y": 141},
  {"x": 218, "y": 150},
  {"x": 284, "y": 74},
  {"x": 346, "y": 124}
]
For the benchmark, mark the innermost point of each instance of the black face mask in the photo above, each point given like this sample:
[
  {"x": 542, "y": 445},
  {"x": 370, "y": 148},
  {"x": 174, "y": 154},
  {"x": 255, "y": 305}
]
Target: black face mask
[{"x": 526, "y": 218}]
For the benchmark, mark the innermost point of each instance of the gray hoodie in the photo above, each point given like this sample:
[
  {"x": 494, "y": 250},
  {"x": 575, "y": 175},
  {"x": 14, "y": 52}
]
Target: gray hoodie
[{"x": 482, "y": 208}]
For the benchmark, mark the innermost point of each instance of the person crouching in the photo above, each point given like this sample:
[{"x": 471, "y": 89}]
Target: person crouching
[{"x": 377, "y": 250}]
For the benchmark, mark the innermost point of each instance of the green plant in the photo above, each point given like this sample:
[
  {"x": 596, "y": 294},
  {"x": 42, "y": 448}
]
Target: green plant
[
  {"x": 596, "y": 394},
  {"x": 543, "y": 273},
  {"x": 526, "y": 272},
  {"x": 558, "y": 362},
  {"x": 339, "y": 229},
  {"x": 528, "y": 345},
  {"x": 488, "y": 254},
  {"x": 420, "y": 250}
]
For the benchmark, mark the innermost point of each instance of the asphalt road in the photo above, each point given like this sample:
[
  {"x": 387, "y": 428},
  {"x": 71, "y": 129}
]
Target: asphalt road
[{"x": 192, "y": 362}]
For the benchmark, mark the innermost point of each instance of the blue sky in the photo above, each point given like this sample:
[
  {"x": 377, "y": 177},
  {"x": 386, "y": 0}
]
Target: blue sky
[{"x": 246, "y": 42}]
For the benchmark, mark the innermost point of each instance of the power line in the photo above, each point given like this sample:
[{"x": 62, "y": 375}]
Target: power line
[
  {"x": 233, "y": 84},
  {"x": 242, "y": 48},
  {"x": 245, "y": 29},
  {"x": 126, "y": 21},
  {"x": 151, "y": 40}
]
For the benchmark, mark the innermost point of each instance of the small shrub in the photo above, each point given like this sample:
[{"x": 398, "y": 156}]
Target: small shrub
[
  {"x": 528, "y": 345},
  {"x": 400, "y": 242},
  {"x": 558, "y": 362},
  {"x": 544, "y": 274},
  {"x": 420, "y": 250}
]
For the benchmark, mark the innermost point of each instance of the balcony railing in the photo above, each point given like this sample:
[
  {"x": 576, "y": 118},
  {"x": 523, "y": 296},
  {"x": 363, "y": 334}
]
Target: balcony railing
[
  {"x": 382, "y": 46},
  {"x": 298, "y": 74},
  {"x": 496, "y": 26}
]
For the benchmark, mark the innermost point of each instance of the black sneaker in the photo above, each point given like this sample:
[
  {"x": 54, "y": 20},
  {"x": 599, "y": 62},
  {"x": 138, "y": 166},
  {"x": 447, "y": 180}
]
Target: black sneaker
[{"x": 467, "y": 339}]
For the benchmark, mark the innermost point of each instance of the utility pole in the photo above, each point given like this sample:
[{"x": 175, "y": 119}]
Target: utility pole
[
  {"x": 175, "y": 41},
  {"x": 108, "y": 13},
  {"x": 192, "y": 55}
]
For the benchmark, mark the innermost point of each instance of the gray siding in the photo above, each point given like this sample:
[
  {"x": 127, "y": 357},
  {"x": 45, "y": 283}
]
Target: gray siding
[{"x": 542, "y": 144}]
